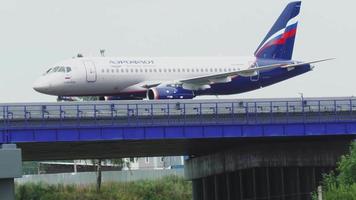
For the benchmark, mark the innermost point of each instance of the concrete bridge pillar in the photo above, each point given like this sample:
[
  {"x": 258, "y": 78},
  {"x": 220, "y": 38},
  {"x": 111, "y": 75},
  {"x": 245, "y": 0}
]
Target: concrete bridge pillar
[
  {"x": 10, "y": 168},
  {"x": 264, "y": 170}
]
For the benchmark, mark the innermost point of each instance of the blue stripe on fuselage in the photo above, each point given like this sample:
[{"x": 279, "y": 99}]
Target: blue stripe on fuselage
[{"x": 244, "y": 84}]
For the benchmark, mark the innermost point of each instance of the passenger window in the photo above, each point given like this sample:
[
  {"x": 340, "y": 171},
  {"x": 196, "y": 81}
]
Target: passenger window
[
  {"x": 117, "y": 70},
  {"x": 141, "y": 70},
  {"x": 112, "y": 71},
  {"x": 165, "y": 70},
  {"x": 136, "y": 70},
  {"x": 131, "y": 70},
  {"x": 169, "y": 70},
  {"x": 150, "y": 70},
  {"x": 160, "y": 70},
  {"x": 103, "y": 71},
  {"x": 146, "y": 70},
  {"x": 122, "y": 70},
  {"x": 174, "y": 70},
  {"x": 178, "y": 70},
  {"x": 154, "y": 70},
  {"x": 183, "y": 70}
]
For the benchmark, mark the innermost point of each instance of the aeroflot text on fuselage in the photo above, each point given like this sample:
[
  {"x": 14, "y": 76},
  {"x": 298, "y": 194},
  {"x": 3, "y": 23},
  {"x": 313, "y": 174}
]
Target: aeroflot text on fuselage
[
  {"x": 130, "y": 62},
  {"x": 182, "y": 78}
]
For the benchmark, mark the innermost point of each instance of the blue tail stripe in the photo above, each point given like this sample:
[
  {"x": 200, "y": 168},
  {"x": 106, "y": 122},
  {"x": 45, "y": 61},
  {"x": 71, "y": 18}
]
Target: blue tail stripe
[{"x": 291, "y": 27}]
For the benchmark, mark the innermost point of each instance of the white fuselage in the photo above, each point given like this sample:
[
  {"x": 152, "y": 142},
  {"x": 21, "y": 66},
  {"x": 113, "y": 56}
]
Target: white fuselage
[{"x": 104, "y": 76}]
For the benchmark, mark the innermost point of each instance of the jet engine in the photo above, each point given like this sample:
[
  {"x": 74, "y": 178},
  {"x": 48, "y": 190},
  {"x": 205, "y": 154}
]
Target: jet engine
[{"x": 169, "y": 92}]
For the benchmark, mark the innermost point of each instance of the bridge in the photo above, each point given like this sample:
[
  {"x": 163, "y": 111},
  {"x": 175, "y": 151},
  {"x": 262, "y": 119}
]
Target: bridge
[
  {"x": 219, "y": 135},
  {"x": 146, "y": 128}
]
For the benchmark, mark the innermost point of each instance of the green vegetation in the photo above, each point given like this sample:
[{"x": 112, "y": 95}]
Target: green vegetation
[
  {"x": 168, "y": 188},
  {"x": 341, "y": 184}
]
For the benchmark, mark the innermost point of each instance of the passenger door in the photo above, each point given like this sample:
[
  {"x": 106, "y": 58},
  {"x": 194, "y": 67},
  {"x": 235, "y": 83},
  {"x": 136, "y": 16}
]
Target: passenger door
[
  {"x": 90, "y": 70},
  {"x": 256, "y": 77}
]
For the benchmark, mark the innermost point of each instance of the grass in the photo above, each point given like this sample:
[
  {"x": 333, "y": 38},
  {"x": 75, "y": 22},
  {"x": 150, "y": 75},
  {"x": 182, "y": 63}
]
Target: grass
[{"x": 168, "y": 188}]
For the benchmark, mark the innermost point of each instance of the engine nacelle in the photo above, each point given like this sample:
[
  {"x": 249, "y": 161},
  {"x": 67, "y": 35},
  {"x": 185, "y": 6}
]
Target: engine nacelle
[{"x": 169, "y": 92}]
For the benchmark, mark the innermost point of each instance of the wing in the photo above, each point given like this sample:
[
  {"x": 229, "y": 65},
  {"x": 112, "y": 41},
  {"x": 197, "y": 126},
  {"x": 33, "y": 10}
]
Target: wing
[
  {"x": 204, "y": 82},
  {"x": 145, "y": 85}
]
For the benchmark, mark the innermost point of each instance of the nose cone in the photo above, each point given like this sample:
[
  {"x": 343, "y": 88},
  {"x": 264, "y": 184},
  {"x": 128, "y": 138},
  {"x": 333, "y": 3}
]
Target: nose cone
[{"x": 41, "y": 86}]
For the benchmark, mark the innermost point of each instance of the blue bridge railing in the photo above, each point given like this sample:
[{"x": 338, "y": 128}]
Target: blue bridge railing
[{"x": 158, "y": 113}]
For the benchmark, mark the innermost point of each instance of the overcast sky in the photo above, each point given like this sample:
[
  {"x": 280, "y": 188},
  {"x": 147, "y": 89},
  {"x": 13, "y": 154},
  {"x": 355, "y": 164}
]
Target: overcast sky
[{"x": 38, "y": 33}]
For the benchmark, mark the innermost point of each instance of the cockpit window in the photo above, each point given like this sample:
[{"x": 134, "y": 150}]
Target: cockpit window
[
  {"x": 58, "y": 69},
  {"x": 62, "y": 69},
  {"x": 55, "y": 69},
  {"x": 47, "y": 72}
]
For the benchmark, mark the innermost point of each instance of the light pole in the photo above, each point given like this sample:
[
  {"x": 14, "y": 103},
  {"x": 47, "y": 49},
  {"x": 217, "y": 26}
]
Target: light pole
[{"x": 301, "y": 96}]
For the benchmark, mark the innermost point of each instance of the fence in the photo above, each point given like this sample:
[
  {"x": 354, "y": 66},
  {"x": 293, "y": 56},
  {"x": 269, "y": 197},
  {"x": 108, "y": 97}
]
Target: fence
[
  {"x": 84, "y": 178},
  {"x": 81, "y": 114}
]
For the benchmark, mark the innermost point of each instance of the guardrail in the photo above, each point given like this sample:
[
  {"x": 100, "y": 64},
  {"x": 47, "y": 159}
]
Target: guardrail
[{"x": 116, "y": 113}]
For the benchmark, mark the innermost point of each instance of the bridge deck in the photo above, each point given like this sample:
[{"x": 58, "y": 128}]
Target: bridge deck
[{"x": 147, "y": 121}]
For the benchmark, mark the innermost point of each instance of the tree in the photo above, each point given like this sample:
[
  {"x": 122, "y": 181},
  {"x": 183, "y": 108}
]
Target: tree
[
  {"x": 347, "y": 167},
  {"x": 98, "y": 163}
]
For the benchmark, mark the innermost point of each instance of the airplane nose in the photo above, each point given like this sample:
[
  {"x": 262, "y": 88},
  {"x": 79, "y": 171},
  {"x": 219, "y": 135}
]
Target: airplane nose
[{"x": 40, "y": 86}]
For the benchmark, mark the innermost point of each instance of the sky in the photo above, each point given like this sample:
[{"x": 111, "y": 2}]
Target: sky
[{"x": 36, "y": 34}]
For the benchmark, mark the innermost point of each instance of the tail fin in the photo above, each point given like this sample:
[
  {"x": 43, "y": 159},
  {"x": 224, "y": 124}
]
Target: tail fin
[{"x": 279, "y": 42}]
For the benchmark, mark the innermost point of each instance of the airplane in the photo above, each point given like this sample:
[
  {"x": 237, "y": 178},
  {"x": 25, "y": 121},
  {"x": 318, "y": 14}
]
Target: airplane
[{"x": 181, "y": 77}]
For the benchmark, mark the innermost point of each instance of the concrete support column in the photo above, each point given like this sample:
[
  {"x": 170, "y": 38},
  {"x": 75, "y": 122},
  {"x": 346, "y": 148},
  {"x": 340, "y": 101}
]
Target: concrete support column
[
  {"x": 216, "y": 187},
  {"x": 7, "y": 189},
  {"x": 220, "y": 187},
  {"x": 205, "y": 188},
  {"x": 271, "y": 170},
  {"x": 197, "y": 189},
  {"x": 229, "y": 188},
  {"x": 10, "y": 168}
]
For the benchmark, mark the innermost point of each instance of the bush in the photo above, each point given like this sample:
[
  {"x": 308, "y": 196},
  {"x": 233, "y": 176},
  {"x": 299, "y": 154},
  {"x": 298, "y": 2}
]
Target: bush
[
  {"x": 168, "y": 188},
  {"x": 341, "y": 184},
  {"x": 347, "y": 167},
  {"x": 334, "y": 192}
]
